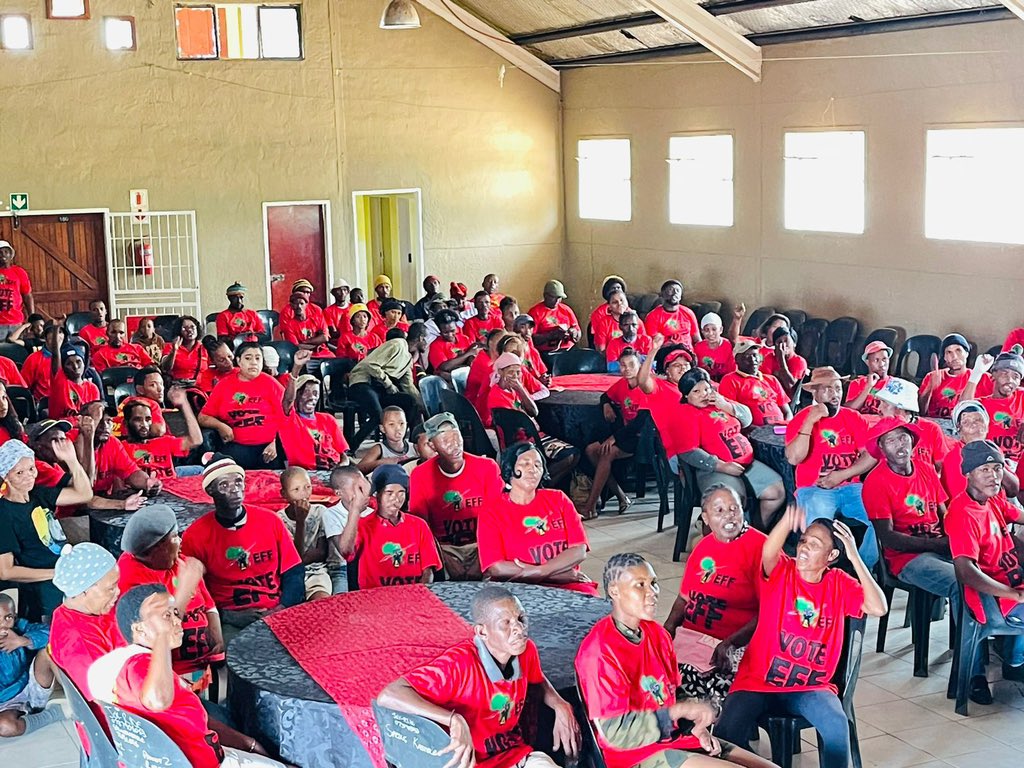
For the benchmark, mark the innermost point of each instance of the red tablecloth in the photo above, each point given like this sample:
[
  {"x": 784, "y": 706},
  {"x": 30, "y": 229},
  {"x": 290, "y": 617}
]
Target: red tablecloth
[
  {"x": 365, "y": 648},
  {"x": 584, "y": 382}
]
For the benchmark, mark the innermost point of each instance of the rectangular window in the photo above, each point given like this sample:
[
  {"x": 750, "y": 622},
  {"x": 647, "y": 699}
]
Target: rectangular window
[
  {"x": 972, "y": 187},
  {"x": 604, "y": 175},
  {"x": 15, "y": 32},
  {"x": 700, "y": 184},
  {"x": 119, "y": 33},
  {"x": 67, "y": 9},
  {"x": 825, "y": 181},
  {"x": 238, "y": 31}
]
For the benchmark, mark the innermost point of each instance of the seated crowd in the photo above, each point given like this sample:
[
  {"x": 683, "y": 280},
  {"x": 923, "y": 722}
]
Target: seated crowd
[{"x": 408, "y": 503}]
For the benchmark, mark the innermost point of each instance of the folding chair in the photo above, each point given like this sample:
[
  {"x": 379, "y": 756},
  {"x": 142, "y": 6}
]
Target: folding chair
[
  {"x": 410, "y": 741},
  {"x": 97, "y": 751},
  {"x": 141, "y": 743},
  {"x": 470, "y": 425},
  {"x": 924, "y": 346}
]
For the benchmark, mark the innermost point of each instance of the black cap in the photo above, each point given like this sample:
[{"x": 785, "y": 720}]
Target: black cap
[{"x": 978, "y": 453}]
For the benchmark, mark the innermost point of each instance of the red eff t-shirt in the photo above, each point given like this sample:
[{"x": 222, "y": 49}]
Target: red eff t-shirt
[
  {"x": 13, "y": 283},
  {"x": 337, "y": 319},
  {"x": 476, "y": 329},
  {"x": 232, "y": 324},
  {"x": 301, "y": 331},
  {"x": 678, "y": 327},
  {"x": 953, "y": 480},
  {"x": 457, "y": 680},
  {"x": 981, "y": 532},
  {"x": 244, "y": 564},
  {"x": 799, "y": 635},
  {"x": 353, "y": 347},
  {"x": 251, "y": 408},
  {"x": 156, "y": 456},
  {"x": 629, "y": 400},
  {"x": 1005, "y": 417},
  {"x": 452, "y": 504},
  {"x": 478, "y": 381},
  {"x": 533, "y": 533},
  {"x": 10, "y": 374},
  {"x": 858, "y": 385},
  {"x": 125, "y": 356},
  {"x": 616, "y": 345},
  {"x": 194, "y": 653},
  {"x": 933, "y": 445},
  {"x": 78, "y": 639},
  {"x": 501, "y": 398},
  {"x": 442, "y": 351},
  {"x": 188, "y": 364},
  {"x": 67, "y": 397},
  {"x": 714, "y": 431},
  {"x": 618, "y": 677},
  {"x": 546, "y": 320},
  {"x": 113, "y": 464},
  {"x": 718, "y": 361},
  {"x": 835, "y": 443},
  {"x": 946, "y": 390},
  {"x": 394, "y": 553},
  {"x": 911, "y": 502},
  {"x": 721, "y": 582},
  {"x": 93, "y": 335},
  {"x": 664, "y": 404},
  {"x": 313, "y": 443},
  {"x": 36, "y": 372},
  {"x": 797, "y": 365},
  {"x": 763, "y": 395}
]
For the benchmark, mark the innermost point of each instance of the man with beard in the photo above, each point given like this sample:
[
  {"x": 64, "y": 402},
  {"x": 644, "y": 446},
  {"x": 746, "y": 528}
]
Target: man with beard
[
  {"x": 941, "y": 389},
  {"x": 1005, "y": 406},
  {"x": 311, "y": 439},
  {"x": 155, "y": 455},
  {"x": 108, "y": 463},
  {"x": 760, "y": 392},
  {"x": 478, "y": 688},
  {"x": 251, "y": 562},
  {"x": 672, "y": 319},
  {"x": 236, "y": 320},
  {"x": 118, "y": 352},
  {"x": 449, "y": 490},
  {"x": 95, "y": 332}
]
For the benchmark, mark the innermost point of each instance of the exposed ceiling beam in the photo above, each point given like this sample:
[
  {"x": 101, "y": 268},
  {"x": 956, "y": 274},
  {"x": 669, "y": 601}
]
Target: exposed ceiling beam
[
  {"x": 827, "y": 32},
  {"x": 1016, "y": 7},
  {"x": 641, "y": 20},
  {"x": 488, "y": 36},
  {"x": 722, "y": 40}
]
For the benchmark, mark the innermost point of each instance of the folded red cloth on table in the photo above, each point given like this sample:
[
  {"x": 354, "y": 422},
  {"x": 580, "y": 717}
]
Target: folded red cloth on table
[
  {"x": 262, "y": 486},
  {"x": 584, "y": 382},
  {"x": 376, "y": 636}
]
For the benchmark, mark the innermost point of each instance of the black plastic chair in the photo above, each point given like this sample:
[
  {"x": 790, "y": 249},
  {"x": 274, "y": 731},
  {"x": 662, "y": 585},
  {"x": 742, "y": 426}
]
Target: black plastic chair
[
  {"x": 838, "y": 344},
  {"x": 513, "y": 427},
  {"x": 76, "y": 321},
  {"x": 212, "y": 317},
  {"x": 410, "y": 741},
  {"x": 590, "y": 754},
  {"x": 755, "y": 319},
  {"x": 784, "y": 730},
  {"x": 113, "y": 377},
  {"x": 686, "y": 496},
  {"x": 334, "y": 374},
  {"x": 812, "y": 336},
  {"x": 271, "y": 319},
  {"x": 15, "y": 352},
  {"x": 707, "y": 306},
  {"x": 590, "y": 334},
  {"x": 578, "y": 360},
  {"x": 889, "y": 336},
  {"x": 924, "y": 346},
  {"x": 122, "y": 392},
  {"x": 650, "y": 454},
  {"x": 286, "y": 351},
  {"x": 994, "y": 351},
  {"x": 24, "y": 404},
  {"x": 140, "y": 742},
  {"x": 97, "y": 751},
  {"x": 797, "y": 318},
  {"x": 470, "y": 425}
]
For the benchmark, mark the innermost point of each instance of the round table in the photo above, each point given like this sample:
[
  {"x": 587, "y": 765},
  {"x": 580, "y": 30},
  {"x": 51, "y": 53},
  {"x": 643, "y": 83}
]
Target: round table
[
  {"x": 276, "y": 700},
  {"x": 571, "y": 413}
]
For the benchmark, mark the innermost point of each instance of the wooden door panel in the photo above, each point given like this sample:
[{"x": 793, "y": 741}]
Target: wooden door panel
[
  {"x": 64, "y": 255},
  {"x": 296, "y": 242}
]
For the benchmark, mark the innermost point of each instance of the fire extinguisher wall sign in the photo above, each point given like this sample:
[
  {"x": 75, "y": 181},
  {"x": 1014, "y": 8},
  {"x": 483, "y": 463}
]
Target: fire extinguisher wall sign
[{"x": 142, "y": 255}]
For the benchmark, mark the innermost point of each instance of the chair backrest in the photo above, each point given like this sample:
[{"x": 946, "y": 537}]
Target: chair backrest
[
  {"x": 23, "y": 402},
  {"x": 15, "y": 352},
  {"x": 812, "y": 336},
  {"x": 643, "y": 303},
  {"x": 470, "y": 425},
  {"x": 123, "y": 391},
  {"x": 590, "y": 745},
  {"x": 97, "y": 751},
  {"x": 848, "y": 670},
  {"x": 212, "y": 317},
  {"x": 839, "y": 342},
  {"x": 271, "y": 319},
  {"x": 141, "y": 743},
  {"x": 578, "y": 360},
  {"x": 889, "y": 336},
  {"x": 707, "y": 306},
  {"x": 459, "y": 378},
  {"x": 754, "y": 320},
  {"x": 513, "y": 426},
  {"x": 334, "y": 374},
  {"x": 411, "y": 741},
  {"x": 797, "y": 318},
  {"x": 430, "y": 390},
  {"x": 922, "y": 345},
  {"x": 76, "y": 321},
  {"x": 286, "y": 351},
  {"x": 120, "y": 374}
]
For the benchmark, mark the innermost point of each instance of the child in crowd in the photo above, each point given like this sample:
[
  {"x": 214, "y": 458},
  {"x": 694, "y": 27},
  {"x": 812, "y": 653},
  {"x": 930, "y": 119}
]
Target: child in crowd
[
  {"x": 26, "y": 677},
  {"x": 305, "y": 522},
  {"x": 395, "y": 448},
  {"x": 147, "y": 338},
  {"x": 714, "y": 353}
]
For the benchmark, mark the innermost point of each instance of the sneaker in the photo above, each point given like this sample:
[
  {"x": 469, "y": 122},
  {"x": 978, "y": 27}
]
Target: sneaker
[
  {"x": 1016, "y": 674},
  {"x": 980, "y": 693}
]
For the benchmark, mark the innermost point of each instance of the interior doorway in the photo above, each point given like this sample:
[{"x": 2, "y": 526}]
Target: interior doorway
[
  {"x": 389, "y": 240},
  {"x": 297, "y": 238}
]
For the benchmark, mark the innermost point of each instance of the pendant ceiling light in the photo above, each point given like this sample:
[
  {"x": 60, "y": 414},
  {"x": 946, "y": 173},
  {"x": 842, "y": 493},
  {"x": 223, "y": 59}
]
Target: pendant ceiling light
[{"x": 400, "y": 14}]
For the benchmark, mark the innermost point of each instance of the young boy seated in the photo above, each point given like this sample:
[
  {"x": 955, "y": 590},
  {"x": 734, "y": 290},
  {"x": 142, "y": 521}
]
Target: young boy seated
[
  {"x": 395, "y": 448},
  {"x": 305, "y": 522},
  {"x": 26, "y": 677},
  {"x": 155, "y": 455}
]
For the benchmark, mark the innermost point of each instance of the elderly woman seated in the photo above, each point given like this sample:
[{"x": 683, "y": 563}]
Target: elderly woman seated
[{"x": 532, "y": 534}]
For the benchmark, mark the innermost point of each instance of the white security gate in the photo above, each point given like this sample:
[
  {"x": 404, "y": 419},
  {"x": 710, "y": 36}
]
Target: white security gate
[{"x": 153, "y": 264}]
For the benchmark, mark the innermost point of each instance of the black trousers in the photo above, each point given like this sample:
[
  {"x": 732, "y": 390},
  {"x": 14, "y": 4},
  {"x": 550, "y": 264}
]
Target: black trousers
[{"x": 373, "y": 399}]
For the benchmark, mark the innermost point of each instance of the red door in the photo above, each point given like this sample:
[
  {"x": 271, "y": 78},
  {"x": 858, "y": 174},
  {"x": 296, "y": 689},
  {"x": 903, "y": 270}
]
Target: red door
[{"x": 296, "y": 238}]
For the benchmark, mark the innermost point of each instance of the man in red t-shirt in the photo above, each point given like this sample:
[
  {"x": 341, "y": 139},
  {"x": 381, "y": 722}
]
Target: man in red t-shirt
[
  {"x": 478, "y": 689},
  {"x": 311, "y": 439},
  {"x": 898, "y": 399},
  {"x": 251, "y": 562},
  {"x": 117, "y": 352},
  {"x": 236, "y": 320},
  {"x": 450, "y": 350},
  {"x": 305, "y": 329},
  {"x": 486, "y": 318},
  {"x": 942, "y": 388},
  {"x": 449, "y": 491},
  {"x": 155, "y": 455},
  {"x": 95, "y": 332},
  {"x": 36, "y": 368},
  {"x": 16, "y": 300},
  {"x": 760, "y": 392},
  {"x": 628, "y": 336},
  {"x": 336, "y": 315},
  {"x": 985, "y": 552},
  {"x": 556, "y": 324},
  {"x": 108, "y": 463},
  {"x": 825, "y": 442},
  {"x": 672, "y": 319},
  {"x": 861, "y": 394},
  {"x": 1005, "y": 406},
  {"x": 523, "y": 325},
  {"x": 69, "y": 389}
]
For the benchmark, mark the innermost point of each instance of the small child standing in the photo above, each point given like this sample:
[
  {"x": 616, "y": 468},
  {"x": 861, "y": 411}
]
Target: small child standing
[
  {"x": 395, "y": 448},
  {"x": 305, "y": 521}
]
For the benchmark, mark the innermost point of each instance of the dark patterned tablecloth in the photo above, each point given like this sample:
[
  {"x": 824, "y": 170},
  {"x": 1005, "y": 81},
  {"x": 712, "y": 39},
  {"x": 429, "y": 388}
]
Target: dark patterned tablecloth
[
  {"x": 574, "y": 415},
  {"x": 274, "y": 699}
]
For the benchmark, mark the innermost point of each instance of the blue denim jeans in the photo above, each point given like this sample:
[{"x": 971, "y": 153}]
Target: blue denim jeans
[
  {"x": 339, "y": 577},
  {"x": 845, "y": 500}
]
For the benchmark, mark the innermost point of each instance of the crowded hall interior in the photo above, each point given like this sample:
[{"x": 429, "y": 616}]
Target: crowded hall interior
[{"x": 511, "y": 384}]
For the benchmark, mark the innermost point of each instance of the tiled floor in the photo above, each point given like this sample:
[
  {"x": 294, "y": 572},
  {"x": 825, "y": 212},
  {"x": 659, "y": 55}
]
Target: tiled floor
[{"x": 904, "y": 721}]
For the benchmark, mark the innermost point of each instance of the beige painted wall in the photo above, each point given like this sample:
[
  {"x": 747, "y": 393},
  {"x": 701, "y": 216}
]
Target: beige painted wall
[
  {"x": 366, "y": 109},
  {"x": 889, "y": 275}
]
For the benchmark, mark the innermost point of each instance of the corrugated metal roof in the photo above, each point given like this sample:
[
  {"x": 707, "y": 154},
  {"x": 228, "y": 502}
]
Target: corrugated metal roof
[
  {"x": 517, "y": 17},
  {"x": 820, "y": 13}
]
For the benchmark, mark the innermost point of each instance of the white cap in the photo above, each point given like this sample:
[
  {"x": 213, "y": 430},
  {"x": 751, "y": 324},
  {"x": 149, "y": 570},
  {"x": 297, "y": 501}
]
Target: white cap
[
  {"x": 711, "y": 318},
  {"x": 5, "y": 244},
  {"x": 341, "y": 282}
]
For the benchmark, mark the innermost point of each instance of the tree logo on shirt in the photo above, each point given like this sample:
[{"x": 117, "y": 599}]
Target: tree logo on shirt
[
  {"x": 454, "y": 498},
  {"x": 239, "y": 556},
  {"x": 672, "y": 323},
  {"x": 535, "y": 524},
  {"x": 240, "y": 398},
  {"x": 142, "y": 456},
  {"x": 652, "y": 686},
  {"x": 238, "y": 322},
  {"x": 121, "y": 357},
  {"x": 807, "y": 612},
  {"x": 628, "y": 403},
  {"x": 707, "y": 361},
  {"x": 719, "y": 415},
  {"x": 915, "y": 503},
  {"x": 359, "y": 346},
  {"x": 394, "y": 552},
  {"x": 760, "y": 392},
  {"x": 948, "y": 393},
  {"x": 994, "y": 528},
  {"x": 74, "y": 398},
  {"x": 1002, "y": 418},
  {"x": 502, "y": 704},
  {"x": 707, "y": 567},
  {"x": 830, "y": 436}
]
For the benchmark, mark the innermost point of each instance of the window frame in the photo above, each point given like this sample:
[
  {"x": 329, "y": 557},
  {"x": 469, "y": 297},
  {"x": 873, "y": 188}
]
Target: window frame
[
  {"x": 614, "y": 137},
  {"x": 827, "y": 129},
  {"x": 31, "y": 32},
  {"x": 135, "y": 34},
  {"x": 84, "y": 17},
  {"x": 670, "y": 160},
  {"x": 259, "y": 31}
]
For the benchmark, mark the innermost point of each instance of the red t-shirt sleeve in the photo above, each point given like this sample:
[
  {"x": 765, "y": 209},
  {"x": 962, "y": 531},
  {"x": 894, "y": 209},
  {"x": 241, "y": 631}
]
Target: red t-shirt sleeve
[
  {"x": 874, "y": 497},
  {"x": 964, "y": 537},
  {"x": 729, "y": 388},
  {"x": 851, "y": 593},
  {"x": 438, "y": 680},
  {"x": 428, "y": 547},
  {"x": 222, "y": 325},
  {"x": 780, "y": 394},
  {"x": 796, "y": 425},
  {"x": 694, "y": 325},
  {"x": 687, "y": 430},
  {"x": 123, "y": 464}
]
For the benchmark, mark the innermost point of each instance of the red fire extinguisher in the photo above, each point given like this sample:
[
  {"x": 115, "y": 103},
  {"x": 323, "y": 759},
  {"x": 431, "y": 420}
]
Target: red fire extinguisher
[{"x": 143, "y": 257}]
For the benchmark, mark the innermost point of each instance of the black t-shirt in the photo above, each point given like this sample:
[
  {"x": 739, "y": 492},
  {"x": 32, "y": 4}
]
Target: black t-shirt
[{"x": 30, "y": 531}]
